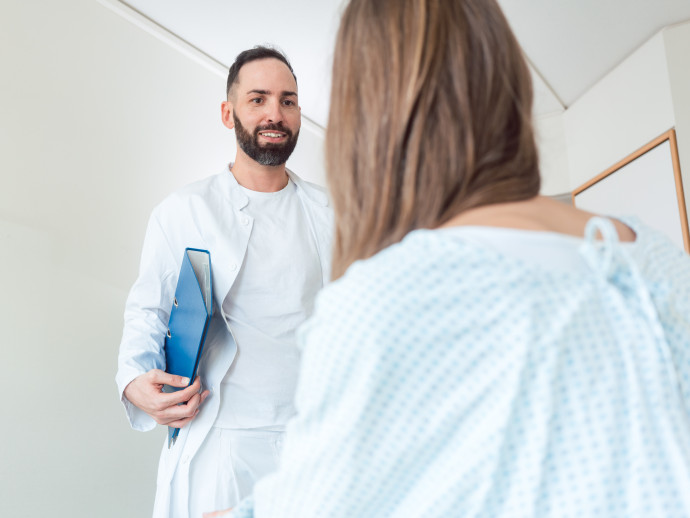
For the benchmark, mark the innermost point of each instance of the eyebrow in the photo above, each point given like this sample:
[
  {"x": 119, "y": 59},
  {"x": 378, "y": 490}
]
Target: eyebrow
[{"x": 284, "y": 93}]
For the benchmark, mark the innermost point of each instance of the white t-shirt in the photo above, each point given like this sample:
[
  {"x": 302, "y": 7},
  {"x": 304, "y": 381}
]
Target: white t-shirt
[{"x": 272, "y": 295}]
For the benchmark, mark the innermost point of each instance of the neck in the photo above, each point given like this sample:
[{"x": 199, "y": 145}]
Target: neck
[{"x": 257, "y": 177}]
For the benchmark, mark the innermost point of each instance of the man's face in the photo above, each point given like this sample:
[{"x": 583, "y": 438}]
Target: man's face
[
  {"x": 265, "y": 113},
  {"x": 266, "y": 153}
]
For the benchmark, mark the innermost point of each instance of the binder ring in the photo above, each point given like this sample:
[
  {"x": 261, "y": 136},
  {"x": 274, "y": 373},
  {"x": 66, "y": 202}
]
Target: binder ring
[
  {"x": 169, "y": 335},
  {"x": 175, "y": 301}
]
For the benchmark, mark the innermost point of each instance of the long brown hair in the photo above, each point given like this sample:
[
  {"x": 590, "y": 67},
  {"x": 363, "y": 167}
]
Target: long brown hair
[{"x": 430, "y": 115}]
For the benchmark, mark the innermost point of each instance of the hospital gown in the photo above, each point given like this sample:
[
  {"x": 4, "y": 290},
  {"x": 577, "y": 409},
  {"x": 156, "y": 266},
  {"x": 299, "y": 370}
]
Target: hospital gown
[{"x": 443, "y": 378}]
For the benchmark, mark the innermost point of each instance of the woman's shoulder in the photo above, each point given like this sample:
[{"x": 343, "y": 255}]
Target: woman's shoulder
[
  {"x": 657, "y": 256},
  {"x": 408, "y": 261},
  {"x": 407, "y": 272}
]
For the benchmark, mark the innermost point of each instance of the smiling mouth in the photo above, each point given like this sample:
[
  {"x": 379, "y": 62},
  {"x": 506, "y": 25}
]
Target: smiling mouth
[{"x": 271, "y": 134}]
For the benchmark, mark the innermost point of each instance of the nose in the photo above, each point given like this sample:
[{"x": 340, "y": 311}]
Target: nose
[{"x": 274, "y": 112}]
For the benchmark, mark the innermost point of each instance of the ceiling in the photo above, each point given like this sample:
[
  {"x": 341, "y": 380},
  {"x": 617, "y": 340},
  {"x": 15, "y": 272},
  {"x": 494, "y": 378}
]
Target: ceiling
[{"x": 570, "y": 44}]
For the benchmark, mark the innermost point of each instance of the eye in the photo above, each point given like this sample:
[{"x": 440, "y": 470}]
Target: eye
[
  {"x": 288, "y": 102},
  {"x": 256, "y": 100}
]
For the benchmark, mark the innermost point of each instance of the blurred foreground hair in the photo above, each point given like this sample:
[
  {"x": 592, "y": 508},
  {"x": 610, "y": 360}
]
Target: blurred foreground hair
[{"x": 430, "y": 115}]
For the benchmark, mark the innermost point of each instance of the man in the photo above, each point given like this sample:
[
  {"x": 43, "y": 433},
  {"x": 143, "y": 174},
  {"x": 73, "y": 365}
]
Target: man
[{"x": 269, "y": 235}]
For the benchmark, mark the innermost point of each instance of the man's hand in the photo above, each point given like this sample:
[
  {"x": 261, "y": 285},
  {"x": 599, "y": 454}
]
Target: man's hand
[
  {"x": 214, "y": 514},
  {"x": 146, "y": 392}
]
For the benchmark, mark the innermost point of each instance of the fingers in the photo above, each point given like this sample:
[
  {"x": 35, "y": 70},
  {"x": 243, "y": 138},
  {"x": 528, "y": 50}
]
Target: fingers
[
  {"x": 176, "y": 421},
  {"x": 181, "y": 423},
  {"x": 163, "y": 378},
  {"x": 173, "y": 409},
  {"x": 181, "y": 411},
  {"x": 181, "y": 396},
  {"x": 179, "y": 415},
  {"x": 216, "y": 514}
]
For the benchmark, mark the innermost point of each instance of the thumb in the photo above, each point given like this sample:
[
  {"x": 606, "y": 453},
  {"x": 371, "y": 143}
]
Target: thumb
[{"x": 164, "y": 378}]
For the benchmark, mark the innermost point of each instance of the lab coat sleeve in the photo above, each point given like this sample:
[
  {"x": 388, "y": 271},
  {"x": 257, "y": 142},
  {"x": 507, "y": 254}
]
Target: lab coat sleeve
[{"x": 146, "y": 315}]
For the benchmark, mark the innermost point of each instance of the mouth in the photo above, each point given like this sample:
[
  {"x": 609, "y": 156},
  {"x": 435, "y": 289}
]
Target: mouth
[{"x": 273, "y": 136}]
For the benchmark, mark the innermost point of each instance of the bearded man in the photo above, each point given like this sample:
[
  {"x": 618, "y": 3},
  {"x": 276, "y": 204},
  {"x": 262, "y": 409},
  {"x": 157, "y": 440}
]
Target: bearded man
[{"x": 269, "y": 235}]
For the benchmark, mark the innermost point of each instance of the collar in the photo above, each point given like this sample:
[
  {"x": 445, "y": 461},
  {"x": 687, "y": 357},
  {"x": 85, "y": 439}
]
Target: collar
[
  {"x": 239, "y": 199},
  {"x": 310, "y": 192}
]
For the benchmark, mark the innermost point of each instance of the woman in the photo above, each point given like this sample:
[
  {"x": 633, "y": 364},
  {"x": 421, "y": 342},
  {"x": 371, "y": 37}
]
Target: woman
[{"x": 483, "y": 351}]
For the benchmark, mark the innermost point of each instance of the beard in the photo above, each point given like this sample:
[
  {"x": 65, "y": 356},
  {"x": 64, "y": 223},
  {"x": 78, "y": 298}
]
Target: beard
[{"x": 269, "y": 154}]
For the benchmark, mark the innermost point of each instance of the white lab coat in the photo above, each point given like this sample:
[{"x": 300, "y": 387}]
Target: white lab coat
[{"x": 208, "y": 215}]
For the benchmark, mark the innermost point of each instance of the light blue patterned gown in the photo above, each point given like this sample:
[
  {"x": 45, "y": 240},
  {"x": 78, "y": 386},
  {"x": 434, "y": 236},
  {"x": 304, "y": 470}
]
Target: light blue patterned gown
[{"x": 442, "y": 378}]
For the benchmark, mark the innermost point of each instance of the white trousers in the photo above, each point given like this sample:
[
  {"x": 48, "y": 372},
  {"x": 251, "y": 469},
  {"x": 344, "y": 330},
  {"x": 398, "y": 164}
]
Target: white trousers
[{"x": 225, "y": 469}]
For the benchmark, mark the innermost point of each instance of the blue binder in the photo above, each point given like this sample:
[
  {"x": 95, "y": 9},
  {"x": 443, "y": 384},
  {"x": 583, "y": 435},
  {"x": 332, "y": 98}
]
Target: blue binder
[{"x": 189, "y": 320}]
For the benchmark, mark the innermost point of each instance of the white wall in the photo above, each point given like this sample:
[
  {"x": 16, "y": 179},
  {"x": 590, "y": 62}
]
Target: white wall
[
  {"x": 677, "y": 42},
  {"x": 626, "y": 109},
  {"x": 99, "y": 120},
  {"x": 643, "y": 97},
  {"x": 553, "y": 154}
]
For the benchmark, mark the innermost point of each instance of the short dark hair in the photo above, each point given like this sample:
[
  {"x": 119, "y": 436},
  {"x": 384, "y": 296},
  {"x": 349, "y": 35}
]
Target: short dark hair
[{"x": 253, "y": 54}]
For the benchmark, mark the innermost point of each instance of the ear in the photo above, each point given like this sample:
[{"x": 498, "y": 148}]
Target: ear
[{"x": 226, "y": 112}]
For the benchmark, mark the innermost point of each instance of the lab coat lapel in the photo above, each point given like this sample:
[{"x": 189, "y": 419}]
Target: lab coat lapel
[{"x": 228, "y": 242}]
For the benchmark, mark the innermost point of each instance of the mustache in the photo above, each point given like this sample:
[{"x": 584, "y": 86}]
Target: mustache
[{"x": 274, "y": 127}]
